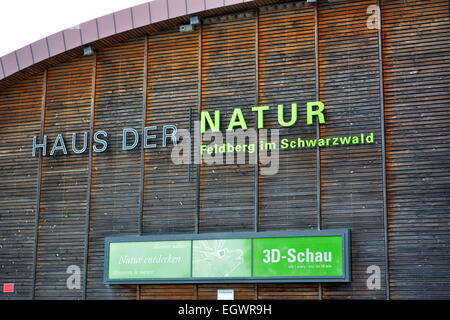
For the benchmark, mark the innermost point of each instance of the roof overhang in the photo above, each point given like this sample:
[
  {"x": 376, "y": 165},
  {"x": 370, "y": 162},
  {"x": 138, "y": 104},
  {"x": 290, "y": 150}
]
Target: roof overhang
[{"x": 147, "y": 18}]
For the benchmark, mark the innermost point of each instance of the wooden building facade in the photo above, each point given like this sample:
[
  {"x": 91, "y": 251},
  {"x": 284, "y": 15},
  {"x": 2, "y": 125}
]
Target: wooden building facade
[{"x": 389, "y": 76}]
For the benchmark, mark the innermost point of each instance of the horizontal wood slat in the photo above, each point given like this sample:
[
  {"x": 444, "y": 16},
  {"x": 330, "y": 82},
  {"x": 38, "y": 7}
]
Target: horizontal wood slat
[
  {"x": 170, "y": 189},
  {"x": 417, "y": 89},
  {"x": 269, "y": 58},
  {"x": 167, "y": 292},
  {"x": 18, "y": 172},
  {"x": 228, "y": 81},
  {"x": 116, "y": 173},
  {"x": 169, "y": 196},
  {"x": 351, "y": 177},
  {"x": 63, "y": 180},
  {"x": 286, "y": 76}
]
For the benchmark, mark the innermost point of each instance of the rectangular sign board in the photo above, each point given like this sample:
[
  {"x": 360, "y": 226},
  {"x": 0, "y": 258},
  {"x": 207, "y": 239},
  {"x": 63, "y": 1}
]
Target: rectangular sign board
[{"x": 244, "y": 257}]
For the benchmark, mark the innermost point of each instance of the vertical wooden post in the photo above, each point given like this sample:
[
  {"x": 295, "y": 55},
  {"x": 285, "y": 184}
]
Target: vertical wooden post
[
  {"x": 199, "y": 108},
  {"x": 318, "y": 193},
  {"x": 142, "y": 160},
  {"x": 257, "y": 131},
  {"x": 38, "y": 184},
  {"x": 316, "y": 49},
  {"x": 256, "y": 226},
  {"x": 144, "y": 119},
  {"x": 191, "y": 147},
  {"x": 89, "y": 183},
  {"x": 383, "y": 146}
]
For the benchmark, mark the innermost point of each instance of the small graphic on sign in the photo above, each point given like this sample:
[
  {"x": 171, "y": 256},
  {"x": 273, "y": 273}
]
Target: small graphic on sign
[{"x": 220, "y": 258}]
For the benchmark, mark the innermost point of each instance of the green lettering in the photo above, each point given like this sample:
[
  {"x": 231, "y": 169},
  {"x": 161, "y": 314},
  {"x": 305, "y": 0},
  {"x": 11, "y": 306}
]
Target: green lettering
[
  {"x": 311, "y": 143},
  {"x": 321, "y": 142},
  {"x": 335, "y": 141},
  {"x": 294, "y": 112},
  {"x": 284, "y": 143},
  {"x": 215, "y": 126},
  {"x": 300, "y": 143},
  {"x": 310, "y": 113},
  {"x": 268, "y": 146},
  {"x": 292, "y": 144},
  {"x": 260, "y": 110},
  {"x": 237, "y": 119},
  {"x": 345, "y": 140}
]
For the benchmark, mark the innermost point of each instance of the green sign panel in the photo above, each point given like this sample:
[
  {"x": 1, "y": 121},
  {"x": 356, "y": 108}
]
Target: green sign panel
[
  {"x": 292, "y": 257},
  {"x": 311, "y": 256},
  {"x": 150, "y": 260}
]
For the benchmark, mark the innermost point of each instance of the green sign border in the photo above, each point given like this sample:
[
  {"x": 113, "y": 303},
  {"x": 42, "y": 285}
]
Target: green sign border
[{"x": 344, "y": 233}]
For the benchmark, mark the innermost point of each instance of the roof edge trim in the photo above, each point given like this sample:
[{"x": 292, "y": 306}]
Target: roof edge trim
[{"x": 105, "y": 26}]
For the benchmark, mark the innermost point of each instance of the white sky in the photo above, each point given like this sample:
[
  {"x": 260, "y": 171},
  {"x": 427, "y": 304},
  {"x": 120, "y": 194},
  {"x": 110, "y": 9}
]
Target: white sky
[{"x": 25, "y": 21}]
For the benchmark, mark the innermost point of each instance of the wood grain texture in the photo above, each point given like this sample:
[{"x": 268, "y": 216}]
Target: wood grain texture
[
  {"x": 115, "y": 173},
  {"x": 63, "y": 180},
  {"x": 267, "y": 57},
  {"x": 351, "y": 177},
  {"x": 169, "y": 196},
  {"x": 417, "y": 86},
  {"x": 228, "y": 81},
  {"x": 286, "y": 76},
  {"x": 18, "y": 183}
]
